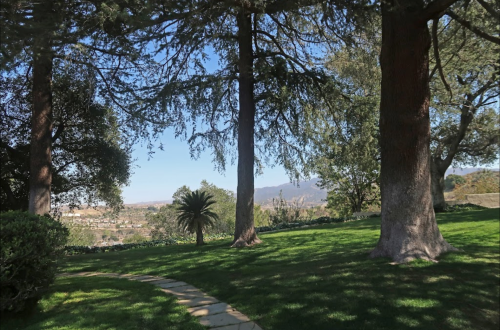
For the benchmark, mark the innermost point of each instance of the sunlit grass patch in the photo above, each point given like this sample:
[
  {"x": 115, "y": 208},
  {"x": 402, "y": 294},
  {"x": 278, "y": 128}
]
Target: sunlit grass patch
[
  {"x": 322, "y": 278},
  {"x": 104, "y": 303}
]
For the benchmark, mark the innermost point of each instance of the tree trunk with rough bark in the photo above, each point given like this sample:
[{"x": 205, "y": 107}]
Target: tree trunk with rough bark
[
  {"x": 199, "y": 236},
  {"x": 244, "y": 233},
  {"x": 437, "y": 187},
  {"x": 409, "y": 229},
  {"x": 41, "y": 121}
]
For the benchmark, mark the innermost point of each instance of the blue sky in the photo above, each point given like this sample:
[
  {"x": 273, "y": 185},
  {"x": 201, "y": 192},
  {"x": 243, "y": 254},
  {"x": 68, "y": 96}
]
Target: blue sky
[{"x": 159, "y": 177}]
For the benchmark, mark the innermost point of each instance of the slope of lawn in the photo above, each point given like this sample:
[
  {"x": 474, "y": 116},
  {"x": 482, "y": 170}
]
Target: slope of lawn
[
  {"x": 100, "y": 303},
  {"x": 321, "y": 277}
]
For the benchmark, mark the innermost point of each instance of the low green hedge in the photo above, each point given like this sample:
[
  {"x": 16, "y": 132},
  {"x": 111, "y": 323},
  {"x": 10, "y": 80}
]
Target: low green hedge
[
  {"x": 30, "y": 245},
  {"x": 463, "y": 207},
  {"x": 318, "y": 221},
  {"x": 73, "y": 250}
]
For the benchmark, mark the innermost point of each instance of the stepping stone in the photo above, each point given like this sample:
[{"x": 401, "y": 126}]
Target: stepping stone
[
  {"x": 185, "y": 292},
  {"x": 172, "y": 284},
  {"x": 210, "y": 309},
  {"x": 142, "y": 278},
  {"x": 109, "y": 275},
  {"x": 229, "y": 318},
  {"x": 212, "y": 313},
  {"x": 153, "y": 279},
  {"x": 162, "y": 281},
  {"x": 198, "y": 301},
  {"x": 241, "y": 326},
  {"x": 91, "y": 274},
  {"x": 80, "y": 274}
]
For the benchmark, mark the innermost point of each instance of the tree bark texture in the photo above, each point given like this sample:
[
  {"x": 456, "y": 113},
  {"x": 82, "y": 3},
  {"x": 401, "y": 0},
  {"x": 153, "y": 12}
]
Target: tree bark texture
[
  {"x": 437, "y": 186},
  {"x": 244, "y": 233},
  {"x": 41, "y": 121},
  {"x": 199, "y": 236},
  {"x": 409, "y": 229}
]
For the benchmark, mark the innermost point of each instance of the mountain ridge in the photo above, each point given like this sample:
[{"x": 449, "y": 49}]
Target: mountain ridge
[{"x": 306, "y": 192}]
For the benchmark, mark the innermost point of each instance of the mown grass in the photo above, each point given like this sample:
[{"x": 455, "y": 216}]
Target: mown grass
[
  {"x": 322, "y": 278},
  {"x": 100, "y": 303}
]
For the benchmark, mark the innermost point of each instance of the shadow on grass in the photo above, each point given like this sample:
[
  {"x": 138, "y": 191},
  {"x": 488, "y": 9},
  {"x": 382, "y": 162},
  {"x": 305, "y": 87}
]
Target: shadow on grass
[
  {"x": 322, "y": 278},
  {"x": 103, "y": 303}
]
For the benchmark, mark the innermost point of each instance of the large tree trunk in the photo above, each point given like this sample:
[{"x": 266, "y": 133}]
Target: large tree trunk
[
  {"x": 41, "y": 121},
  {"x": 437, "y": 187},
  {"x": 199, "y": 236},
  {"x": 409, "y": 229},
  {"x": 244, "y": 233}
]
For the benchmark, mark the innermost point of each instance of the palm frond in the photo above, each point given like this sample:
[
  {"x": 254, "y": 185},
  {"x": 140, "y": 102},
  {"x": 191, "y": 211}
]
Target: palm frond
[{"x": 194, "y": 210}]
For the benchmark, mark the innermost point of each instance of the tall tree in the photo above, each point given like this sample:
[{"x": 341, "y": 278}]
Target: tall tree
[
  {"x": 37, "y": 32},
  {"x": 409, "y": 229},
  {"x": 464, "y": 86},
  {"x": 41, "y": 119},
  {"x": 266, "y": 50},
  {"x": 346, "y": 141},
  {"x": 90, "y": 156}
]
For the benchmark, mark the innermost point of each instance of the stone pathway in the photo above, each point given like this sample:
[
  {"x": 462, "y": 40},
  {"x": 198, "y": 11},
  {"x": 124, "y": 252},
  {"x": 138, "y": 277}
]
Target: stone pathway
[{"x": 211, "y": 312}]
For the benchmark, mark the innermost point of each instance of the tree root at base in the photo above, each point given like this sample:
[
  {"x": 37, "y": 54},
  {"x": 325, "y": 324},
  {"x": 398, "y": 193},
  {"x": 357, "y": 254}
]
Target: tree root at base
[{"x": 241, "y": 242}]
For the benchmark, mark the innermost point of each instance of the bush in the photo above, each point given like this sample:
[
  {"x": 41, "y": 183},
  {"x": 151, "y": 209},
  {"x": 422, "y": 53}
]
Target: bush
[
  {"x": 136, "y": 238},
  {"x": 29, "y": 247},
  {"x": 463, "y": 207},
  {"x": 74, "y": 250}
]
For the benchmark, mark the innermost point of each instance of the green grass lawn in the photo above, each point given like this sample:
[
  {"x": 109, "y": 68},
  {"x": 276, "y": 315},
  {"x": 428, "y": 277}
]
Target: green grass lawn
[
  {"x": 322, "y": 278},
  {"x": 100, "y": 303}
]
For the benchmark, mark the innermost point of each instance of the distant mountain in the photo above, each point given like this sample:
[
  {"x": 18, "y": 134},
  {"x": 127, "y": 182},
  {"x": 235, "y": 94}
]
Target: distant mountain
[
  {"x": 306, "y": 192},
  {"x": 465, "y": 170}
]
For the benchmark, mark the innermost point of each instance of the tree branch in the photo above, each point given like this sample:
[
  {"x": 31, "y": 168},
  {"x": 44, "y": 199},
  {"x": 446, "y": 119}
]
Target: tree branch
[
  {"x": 60, "y": 129},
  {"x": 436, "y": 9},
  {"x": 437, "y": 57},
  {"x": 489, "y": 9},
  {"x": 472, "y": 28}
]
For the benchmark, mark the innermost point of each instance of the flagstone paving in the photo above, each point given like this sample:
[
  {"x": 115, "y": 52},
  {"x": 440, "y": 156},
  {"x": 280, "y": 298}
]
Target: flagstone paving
[{"x": 211, "y": 312}]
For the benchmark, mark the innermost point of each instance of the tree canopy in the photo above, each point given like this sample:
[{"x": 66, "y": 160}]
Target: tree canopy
[{"x": 90, "y": 155}]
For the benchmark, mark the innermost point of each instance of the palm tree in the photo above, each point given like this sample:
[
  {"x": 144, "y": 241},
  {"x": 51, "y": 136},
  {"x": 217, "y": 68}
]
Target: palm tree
[{"x": 194, "y": 214}]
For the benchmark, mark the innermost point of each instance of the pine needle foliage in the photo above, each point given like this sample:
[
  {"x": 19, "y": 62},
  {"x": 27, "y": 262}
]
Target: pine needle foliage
[{"x": 195, "y": 214}]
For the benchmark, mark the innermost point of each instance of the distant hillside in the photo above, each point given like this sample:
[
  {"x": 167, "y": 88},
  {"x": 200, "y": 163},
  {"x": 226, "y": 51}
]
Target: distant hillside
[
  {"x": 307, "y": 192},
  {"x": 464, "y": 171},
  {"x": 168, "y": 201}
]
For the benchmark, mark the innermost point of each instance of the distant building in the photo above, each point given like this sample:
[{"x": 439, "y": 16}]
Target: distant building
[{"x": 71, "y": 214}]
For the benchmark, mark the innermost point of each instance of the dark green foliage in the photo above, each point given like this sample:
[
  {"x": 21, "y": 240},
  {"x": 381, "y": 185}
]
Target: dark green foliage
[
  {"x": 90, "y": 155},
  {"x": 81, "y": 236},
  {"x": 463, "y": 207},
  {"x": 30, "y": 245},
  {"x": 195, "y": 214},
  {"x": 452, "y": 180},
  {"x": 73, "y": 250}
]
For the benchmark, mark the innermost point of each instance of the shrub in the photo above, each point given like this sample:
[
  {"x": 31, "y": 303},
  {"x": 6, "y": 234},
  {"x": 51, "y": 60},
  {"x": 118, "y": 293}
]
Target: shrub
[
  {"x": 463, "y": 207},
  {"x": 136, "y": 238},
  {"x": 29, "y": 247}
]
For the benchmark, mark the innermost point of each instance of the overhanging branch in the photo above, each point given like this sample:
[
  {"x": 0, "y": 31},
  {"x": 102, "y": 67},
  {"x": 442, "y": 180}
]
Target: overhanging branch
[{"x": 472, "y": 28}]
